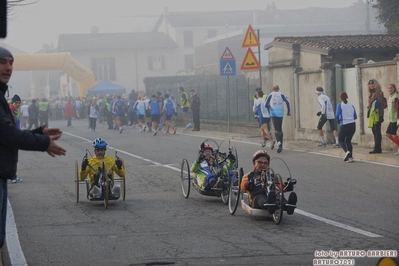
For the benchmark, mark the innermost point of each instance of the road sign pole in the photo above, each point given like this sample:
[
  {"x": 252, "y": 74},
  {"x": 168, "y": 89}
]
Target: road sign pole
[
  {"x": 260, "y": 63},
  {"x": 228, "y": 103}
]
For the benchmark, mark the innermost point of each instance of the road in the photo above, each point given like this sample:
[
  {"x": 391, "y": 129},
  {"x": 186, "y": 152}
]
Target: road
[{"x": 340, "y": 207}]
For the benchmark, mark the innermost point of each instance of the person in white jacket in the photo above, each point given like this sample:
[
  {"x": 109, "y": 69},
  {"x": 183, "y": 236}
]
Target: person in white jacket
[
  {"x": 326, "y": 113},
  {"x": 264, "y": 119}
]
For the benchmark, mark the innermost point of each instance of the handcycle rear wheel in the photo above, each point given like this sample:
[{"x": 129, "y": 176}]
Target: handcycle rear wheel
[
  {"x": 279, "y": 187},
  {"x": 77, "y": 180},
  {"x": 106, "y": 187},
  {"x": 234, "y": 192},
  {"x": 185, "y": 178}
]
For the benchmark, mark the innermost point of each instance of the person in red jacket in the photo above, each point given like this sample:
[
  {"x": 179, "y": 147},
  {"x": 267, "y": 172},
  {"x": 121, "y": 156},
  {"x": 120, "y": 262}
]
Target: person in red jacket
[{"x": 69, "y": 112}]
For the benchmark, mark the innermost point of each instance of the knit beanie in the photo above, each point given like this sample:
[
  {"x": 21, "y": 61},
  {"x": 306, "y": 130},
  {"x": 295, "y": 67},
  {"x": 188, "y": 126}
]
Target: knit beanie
[
  {"x": 16, "y": 98},
  {"x": 5, "y": 53}
]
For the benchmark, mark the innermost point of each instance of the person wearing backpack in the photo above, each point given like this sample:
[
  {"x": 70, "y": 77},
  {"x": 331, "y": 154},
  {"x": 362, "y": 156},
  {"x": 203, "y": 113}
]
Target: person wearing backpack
[
  {"x": 376, "y": 105},
  {"x": 119, "y": 109},
  {"x": 169, "y": 109}
]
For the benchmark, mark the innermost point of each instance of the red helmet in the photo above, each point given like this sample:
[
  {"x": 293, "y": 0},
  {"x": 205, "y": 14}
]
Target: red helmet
[
  {"x": 206, "y": 147},
  {"x": 260, "y": 154}
]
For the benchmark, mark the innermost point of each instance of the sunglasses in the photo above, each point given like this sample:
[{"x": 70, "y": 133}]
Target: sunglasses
[
  {"x": 97, "y": 149},
  {"x": 262, "y": 162}
]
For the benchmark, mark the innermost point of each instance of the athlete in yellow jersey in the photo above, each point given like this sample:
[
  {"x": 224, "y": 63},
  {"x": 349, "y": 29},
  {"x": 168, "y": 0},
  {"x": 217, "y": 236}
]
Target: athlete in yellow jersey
[
  {"x": 185, "y": 105},
  {"x": 112, "y": 164}
]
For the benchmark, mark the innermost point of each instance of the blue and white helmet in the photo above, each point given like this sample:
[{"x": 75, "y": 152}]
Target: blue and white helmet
[{"x": 99, "y": 143}]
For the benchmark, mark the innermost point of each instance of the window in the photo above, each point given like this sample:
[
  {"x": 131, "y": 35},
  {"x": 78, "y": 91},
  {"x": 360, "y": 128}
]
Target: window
[
  {"x": 189, "y": 62},
  {"x": 103, "y": 68},
  {"x": 188, "y": 38},
  {"x": 156, "y": 63}
]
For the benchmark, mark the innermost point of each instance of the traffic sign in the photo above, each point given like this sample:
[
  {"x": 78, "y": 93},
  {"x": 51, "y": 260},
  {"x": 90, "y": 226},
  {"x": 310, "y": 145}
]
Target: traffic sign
[
  {"x": 250, "y": 62},
  {"x": 228, "y": 67},
  {"x": 250, "y": 38},
  {"x": 227, "y": 55}
]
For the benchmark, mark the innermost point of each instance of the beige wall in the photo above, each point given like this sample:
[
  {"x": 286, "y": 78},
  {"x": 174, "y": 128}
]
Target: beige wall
[
  {"x": 279, "y": 55},
  {"x": 308, "y": 105},
  {"x": 309, "y": 61}
]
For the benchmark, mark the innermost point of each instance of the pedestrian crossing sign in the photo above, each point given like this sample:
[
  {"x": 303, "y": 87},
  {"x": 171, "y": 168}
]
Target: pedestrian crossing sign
[
  {"x": 250, "y": 62},
  {"x": 227, "y": 67}
]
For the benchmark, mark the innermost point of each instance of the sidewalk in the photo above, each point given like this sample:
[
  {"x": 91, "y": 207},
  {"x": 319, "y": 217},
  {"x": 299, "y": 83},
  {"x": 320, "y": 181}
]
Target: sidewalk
[{"x": 359, "y": 153}]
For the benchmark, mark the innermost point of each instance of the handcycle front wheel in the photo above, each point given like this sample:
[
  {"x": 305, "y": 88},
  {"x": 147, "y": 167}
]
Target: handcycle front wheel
[
  {"x": 124, "y": 181},
  {"x": 234, "y": 192},
  {"x": 77, "y": 180},
  {"x": 279, "y": 187},
  {"x": 185, "y": 178},
  {"x": 106, "y": 187}
]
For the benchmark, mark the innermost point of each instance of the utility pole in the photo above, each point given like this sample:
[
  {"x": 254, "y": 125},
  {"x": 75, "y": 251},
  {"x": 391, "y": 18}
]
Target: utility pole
[{"x": 260, "y": 64}]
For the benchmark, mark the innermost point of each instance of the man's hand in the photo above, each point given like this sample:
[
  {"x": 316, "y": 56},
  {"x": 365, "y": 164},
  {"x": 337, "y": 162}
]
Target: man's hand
[
  {"x": 118, "y": 163},
  {"x": 53, "y": 149},
  {"x": 85, "y": 163},
  {"x": 318, "y": 113},
  {"x": 201, "y": 157},
  {"x": 231, "y": 157},
  {"x": 51, "y": 131}
]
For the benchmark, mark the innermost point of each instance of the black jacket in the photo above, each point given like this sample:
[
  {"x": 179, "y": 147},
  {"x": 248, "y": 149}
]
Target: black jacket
[
  {"x": 195, "y": 102},
  {"x": 13, "y": 139}
]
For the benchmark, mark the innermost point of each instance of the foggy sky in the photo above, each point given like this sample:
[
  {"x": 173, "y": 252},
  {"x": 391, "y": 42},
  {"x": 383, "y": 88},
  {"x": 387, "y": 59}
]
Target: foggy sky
[{"x": 31, "y": 26}]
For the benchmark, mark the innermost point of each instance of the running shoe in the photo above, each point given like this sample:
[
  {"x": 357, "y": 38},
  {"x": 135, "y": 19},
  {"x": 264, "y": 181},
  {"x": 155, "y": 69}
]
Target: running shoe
[
  {"x": 120, "y": 130},
  {"x": 263, "y": 144},
  {"x": 272, "y": 144},
  {"x": 396, "y": 153},
  {"x": 347, "y": 156},
  {"x": 155, "y": 133},
  {"x": 350, "y": 160},
  {"x": 321, "y": 144},
  {"x": 166, "y": 132},
  {"x": 336, "y": 146}
]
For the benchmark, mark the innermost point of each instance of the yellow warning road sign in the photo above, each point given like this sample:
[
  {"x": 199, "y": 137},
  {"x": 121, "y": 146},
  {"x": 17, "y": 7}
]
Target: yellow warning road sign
[
  {"x": 250, "y": 38},
  {"x": 250, "y": 62}
]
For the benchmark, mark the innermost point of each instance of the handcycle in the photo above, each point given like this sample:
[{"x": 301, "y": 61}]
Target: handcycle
[
  {"x": 271, "y": 181},
  {"x": 102, "y": 178},
  {"x": 218, "y": 165}
]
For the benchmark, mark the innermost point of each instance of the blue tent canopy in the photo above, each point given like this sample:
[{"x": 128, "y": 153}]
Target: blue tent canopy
[{"x": 106, "y": 87}]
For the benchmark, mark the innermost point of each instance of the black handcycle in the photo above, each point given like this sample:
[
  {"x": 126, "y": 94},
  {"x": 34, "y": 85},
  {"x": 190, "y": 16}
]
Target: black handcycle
[
  {"x": 270, "y": 180},
  {"x": 218, "y": 166},
  {"x": 102, "y": 179}
]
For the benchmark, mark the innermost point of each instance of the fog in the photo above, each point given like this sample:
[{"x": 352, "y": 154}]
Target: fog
[{"x": 31, "y": 26}]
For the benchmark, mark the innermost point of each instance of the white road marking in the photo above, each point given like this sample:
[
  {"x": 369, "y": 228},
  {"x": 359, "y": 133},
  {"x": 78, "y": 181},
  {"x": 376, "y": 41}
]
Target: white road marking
[{"x": 337, "y": 224}]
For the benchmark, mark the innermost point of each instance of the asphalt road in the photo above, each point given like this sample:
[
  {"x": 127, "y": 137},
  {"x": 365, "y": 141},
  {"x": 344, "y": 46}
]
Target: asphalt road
[{"x": 340, "y": 207}]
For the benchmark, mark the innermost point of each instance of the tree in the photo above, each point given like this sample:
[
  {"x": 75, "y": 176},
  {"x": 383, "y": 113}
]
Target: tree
[{"x": 388, "y": 11}]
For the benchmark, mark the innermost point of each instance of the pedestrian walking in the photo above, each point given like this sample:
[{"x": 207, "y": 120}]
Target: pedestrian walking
[
  {"x": 346, "y": 116},
  {"x": 326, "y": 113},
  {"x": 33, "y": 115},
  {"x": 275, "y": 103}
]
